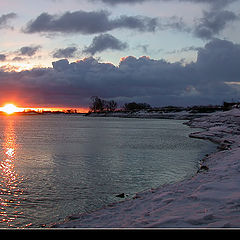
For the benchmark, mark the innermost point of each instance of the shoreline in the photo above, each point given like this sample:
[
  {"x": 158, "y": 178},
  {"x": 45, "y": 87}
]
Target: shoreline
[
  {"x": 210, "y": 199},
  {"x": 181, "y": 115}
]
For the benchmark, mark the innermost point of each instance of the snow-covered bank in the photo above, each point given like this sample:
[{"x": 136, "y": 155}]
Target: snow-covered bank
[
  {"x": 178, "y": 115},
  {"x": 209, "y": 199}
]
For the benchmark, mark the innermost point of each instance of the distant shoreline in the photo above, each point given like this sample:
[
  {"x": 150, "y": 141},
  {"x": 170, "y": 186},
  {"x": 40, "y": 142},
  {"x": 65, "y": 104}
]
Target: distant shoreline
[
  {"x": 168, "y": 112},
  {"x": 183, "y": 115},
  {"x": 148, "y": 112}
]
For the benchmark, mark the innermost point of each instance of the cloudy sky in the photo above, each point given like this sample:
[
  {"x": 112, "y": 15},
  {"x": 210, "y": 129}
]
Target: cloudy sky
[{"x": 59, "y": 53}]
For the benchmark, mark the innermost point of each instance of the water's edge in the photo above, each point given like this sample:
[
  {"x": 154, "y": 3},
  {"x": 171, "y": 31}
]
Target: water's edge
[{"x": 189, "y": 120}]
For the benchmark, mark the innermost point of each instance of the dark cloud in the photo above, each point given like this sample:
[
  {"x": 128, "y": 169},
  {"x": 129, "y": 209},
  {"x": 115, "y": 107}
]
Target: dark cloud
[
  {"x": 114, "y": 2},
  {"x": 212, "y": 2},
  {"x": 3, "y": 57},
  {"x": 140, "y": 23},
  {"x": 4, "y": 19},
  {"x": 18, "y": 59},
  {"x": 210, "y": 25},
  {"x": 213, "y": 23},
  {"x": 61, "y": 65},
  {"x": 29, "y": 50},
  {"x": 20, "y": 54},
  {"x": 218, "y": 61},
  {"x": 68, "y": 52},
  {"x": 88, "y": 23},
  {"x": 206, "y": 81},
  {"x": 104, "y": 42},
  {"x": 100, "y": 22}
]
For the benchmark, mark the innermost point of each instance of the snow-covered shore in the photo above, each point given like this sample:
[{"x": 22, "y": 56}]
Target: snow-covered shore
[
  {"x": 210, "y": 199},
  {"x": 179, "y": 115}
]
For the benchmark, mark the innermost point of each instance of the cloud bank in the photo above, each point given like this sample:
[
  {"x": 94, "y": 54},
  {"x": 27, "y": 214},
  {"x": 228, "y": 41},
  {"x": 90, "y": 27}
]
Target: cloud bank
[
  {"x": 88, "y": 23},
  {"x": 215, "y": 3},
  {"x": 213, "y": 22},
  {"x": 209, "y": 80}
]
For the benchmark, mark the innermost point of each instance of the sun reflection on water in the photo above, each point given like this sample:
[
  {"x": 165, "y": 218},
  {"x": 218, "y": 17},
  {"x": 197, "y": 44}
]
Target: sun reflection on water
[{"x": 10, "y": 191}]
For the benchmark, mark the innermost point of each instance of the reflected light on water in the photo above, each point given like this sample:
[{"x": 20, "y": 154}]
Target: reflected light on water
[{"x": 9, "y": 186}]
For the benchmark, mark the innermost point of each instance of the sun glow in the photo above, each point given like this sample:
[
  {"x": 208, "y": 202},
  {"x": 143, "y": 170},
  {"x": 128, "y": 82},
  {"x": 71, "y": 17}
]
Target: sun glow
[
  {"x": 16, "y": 67},
  {"x": 10, "y": 109}
]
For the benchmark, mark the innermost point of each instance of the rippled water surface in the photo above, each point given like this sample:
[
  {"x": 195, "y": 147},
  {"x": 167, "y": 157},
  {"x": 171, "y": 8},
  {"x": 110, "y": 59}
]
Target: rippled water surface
[{"x": 53, "y": 166}]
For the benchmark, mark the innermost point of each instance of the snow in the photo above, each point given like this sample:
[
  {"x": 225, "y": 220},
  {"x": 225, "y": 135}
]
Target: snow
[
  {"x": 181, "y": 115},
  {"x": 210, "y": 199}
]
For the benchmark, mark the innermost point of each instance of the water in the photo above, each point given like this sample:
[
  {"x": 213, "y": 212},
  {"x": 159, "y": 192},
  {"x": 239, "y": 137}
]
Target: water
[{"x": 53, "y": 166}]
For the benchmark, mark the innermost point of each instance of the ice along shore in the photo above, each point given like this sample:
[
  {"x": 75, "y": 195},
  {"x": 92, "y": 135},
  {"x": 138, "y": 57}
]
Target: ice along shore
[{"x": 210, "y": 199}]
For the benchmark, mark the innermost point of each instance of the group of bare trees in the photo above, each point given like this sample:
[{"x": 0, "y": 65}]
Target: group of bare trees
[{"x": 100, "y": 105}]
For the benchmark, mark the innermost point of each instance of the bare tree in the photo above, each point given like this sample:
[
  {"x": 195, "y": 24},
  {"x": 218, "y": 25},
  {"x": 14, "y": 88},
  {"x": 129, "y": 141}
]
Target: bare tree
[
  {"x": 111, "y": 105},
  {"x": 97, "y": 104}
]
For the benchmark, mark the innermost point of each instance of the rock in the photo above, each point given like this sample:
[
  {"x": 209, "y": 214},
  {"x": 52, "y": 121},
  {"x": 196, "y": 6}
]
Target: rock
[
  {"x": 203, "y": 168},
  {"x": 224, "y": 147},
  {"x": 122, "y": 195},
  {"x": 136, "y": 196}
]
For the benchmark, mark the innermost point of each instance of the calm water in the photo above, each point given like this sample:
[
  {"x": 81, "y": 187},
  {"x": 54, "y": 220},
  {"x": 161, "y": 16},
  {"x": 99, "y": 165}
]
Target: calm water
[{"x": 53, "y": 166}]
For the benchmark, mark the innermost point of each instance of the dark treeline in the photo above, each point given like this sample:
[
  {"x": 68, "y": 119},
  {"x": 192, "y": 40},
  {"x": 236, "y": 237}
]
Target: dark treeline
[
  {"x": 100, "y": 105},
  {"x": 132, "y": 106}
]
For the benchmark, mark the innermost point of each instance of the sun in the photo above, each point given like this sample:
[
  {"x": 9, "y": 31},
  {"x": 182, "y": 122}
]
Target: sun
[{"x": 10, "y": 109}]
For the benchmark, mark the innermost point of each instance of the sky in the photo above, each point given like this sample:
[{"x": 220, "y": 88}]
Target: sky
[{"x": 59, "y": 53}]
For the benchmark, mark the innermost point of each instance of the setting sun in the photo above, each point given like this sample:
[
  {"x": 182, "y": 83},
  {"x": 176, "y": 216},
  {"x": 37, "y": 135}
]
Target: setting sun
[{"x": 10, "y": 109}]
